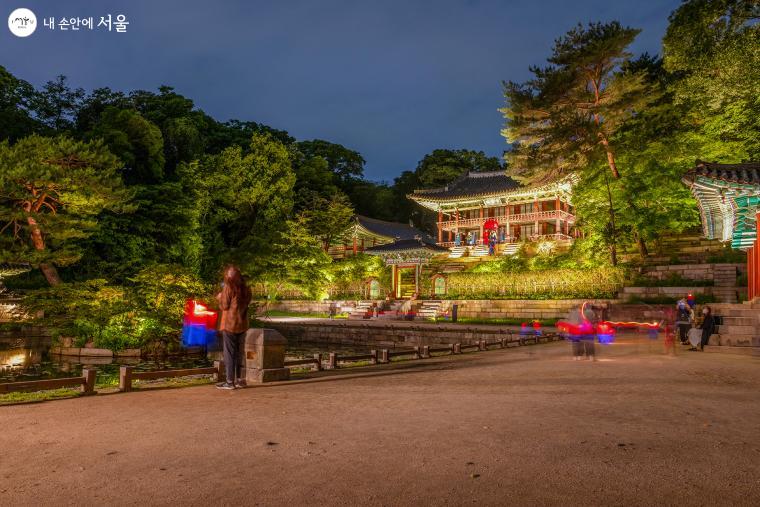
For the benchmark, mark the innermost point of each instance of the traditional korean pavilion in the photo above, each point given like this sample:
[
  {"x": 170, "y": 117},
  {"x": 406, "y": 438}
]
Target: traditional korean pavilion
[
  {"x": 406, "y": 258},
  {"x": 477, "y": 206},
  {"x": 729, "y": 205},
  {"x": 366, "y": 232}
]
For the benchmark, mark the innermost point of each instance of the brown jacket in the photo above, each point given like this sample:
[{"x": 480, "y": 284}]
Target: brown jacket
[{"x": 234, "y": 311}]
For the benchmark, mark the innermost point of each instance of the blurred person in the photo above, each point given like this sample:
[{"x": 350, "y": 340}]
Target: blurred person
[
  {"x": 684, "y": 319},
  {"x": 233, "y": 301},
  {"x": 707, "y": 327}
]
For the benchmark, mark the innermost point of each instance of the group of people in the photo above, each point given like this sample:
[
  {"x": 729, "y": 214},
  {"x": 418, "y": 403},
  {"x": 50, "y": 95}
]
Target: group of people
[
  {"x": 693, "y": 328},
  {"x": 471, "y": 239}
]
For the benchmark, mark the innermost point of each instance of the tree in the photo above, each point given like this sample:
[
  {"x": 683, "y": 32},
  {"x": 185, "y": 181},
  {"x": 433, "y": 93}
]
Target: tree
[
  {"x": 565, "y": 118},
  {"x": 243, "y": 202},
  {"x": 441, "y": 167},
  {"x": 345, "y": 163},
  {"x": 52, "y": 191},
  {"x": 16, "y": 98},
  {"x": 713, "y": 48},
  {"x": 56, "y": 105},
  {"x": 135, "y": 140},
  {"x": 328, "y": 219}
]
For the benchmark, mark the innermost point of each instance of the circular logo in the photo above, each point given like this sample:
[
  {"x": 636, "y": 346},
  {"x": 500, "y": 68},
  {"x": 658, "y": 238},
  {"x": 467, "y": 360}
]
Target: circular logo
[{"x": 22, "y": 22}]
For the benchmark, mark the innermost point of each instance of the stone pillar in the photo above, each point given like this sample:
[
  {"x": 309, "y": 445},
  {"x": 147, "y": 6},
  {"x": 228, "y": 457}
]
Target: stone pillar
[{"x": 263, "y": 356}]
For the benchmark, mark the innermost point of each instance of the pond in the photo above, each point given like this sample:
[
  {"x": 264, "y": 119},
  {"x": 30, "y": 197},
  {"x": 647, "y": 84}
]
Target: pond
[{"x": 29, "y": 358}]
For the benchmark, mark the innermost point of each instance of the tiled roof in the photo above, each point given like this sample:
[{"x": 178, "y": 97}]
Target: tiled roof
[
  {"x": 470, "y": 185},
  {"x": 394, "y": 230},
  {"x": 746, "y": 173}
]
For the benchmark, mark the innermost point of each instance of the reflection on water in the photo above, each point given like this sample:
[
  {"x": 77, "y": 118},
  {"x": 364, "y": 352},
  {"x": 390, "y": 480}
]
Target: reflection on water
[{"x": 29, "y": 358}]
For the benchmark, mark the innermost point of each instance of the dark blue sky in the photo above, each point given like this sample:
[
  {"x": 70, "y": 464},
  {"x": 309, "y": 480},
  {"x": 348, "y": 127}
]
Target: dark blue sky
[{"x": 391, "y": 79}]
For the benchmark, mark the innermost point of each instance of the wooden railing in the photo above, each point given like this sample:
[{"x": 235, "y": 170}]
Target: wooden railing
[
  {"x": 86, "y": 383},
  {"x": 512, "y": 219},
  {"x": 127, "y": 374}
]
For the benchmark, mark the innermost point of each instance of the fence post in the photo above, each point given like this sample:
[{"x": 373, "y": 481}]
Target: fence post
[
  {"x": 332, "y": 361},
  {"x": 425, "y": 351},
  {"x": 125, "y": 378},
  {"x": 221, "y": 374},
  {"x": 374, "y": 356},
  {"x": 384, "y": 356},
  {"x": 416, "y": 352},
  {"x": 482, "y": 345},
  {"x": 456, "y": 348},
  {"x": 88, "y": 387},
  {"x": 318, "y": 358}
]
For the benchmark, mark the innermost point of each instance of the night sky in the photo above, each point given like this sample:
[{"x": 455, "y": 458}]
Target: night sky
[{"x": 390, "y": 79}]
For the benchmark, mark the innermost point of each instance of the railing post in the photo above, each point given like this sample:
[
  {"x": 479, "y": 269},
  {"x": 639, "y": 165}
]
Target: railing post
[
  {"x": 425, "y": 351},
  {"x": 384, "y": 356},
  {"x": 374, "y": 356},
  {"x": 503, "y": 342},
  {"x": 125, "y": 378},
  {"x": 221, "y": 374},
  {"x": 332, "y": 361},
  {"x": 88, "y": 387},
  {"x": 416, "y": 352},
  {"x": 456, "y": 348},
  {"x": 482, "y": 345},
  {"x": 318, "y": 358}
]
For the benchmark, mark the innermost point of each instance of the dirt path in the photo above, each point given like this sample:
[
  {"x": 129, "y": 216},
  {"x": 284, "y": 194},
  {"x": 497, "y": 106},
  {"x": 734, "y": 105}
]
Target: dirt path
[{"x": 524, "y": 426}]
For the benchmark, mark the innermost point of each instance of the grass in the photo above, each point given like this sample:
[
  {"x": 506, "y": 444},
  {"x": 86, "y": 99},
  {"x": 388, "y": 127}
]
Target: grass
[{"x": 36, "y": 396}]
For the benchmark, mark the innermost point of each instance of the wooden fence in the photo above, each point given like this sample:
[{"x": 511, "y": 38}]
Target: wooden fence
[
  {"x": 383, "y": 356},
  {"x": 127, "y": 374},
  {"x": 86, "y": 383}
]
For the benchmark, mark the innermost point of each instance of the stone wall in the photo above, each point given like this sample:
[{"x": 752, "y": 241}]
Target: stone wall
[
  {"x": 520, "y": 309},
  {"x": 721, "y": 274},
  {"x": 385, "y": 334},
  {"x": 469, "y": 308}
]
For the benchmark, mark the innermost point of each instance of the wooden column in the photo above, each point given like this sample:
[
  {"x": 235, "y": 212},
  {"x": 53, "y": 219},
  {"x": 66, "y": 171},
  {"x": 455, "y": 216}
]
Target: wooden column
[
  {"x": 535, "y": 210},
  {"x": 482, "y": 239},
  {"x": 355, "y": 245},
  {"x": 506, "y": 223},
  {"x": 440, "y": 230},
  {"x": 558, "y": 223}
]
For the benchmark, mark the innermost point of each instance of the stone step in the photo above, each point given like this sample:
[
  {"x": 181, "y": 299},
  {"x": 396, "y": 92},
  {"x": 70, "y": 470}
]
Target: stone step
[
  {"x": 737, "y": 330},
  {"x": 736, "y": 340},
  {"x": 739, "y": 321}
]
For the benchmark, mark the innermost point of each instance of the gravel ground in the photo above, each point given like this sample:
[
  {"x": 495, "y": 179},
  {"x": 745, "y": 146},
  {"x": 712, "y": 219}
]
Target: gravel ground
[{"x": 525, "y": 426}]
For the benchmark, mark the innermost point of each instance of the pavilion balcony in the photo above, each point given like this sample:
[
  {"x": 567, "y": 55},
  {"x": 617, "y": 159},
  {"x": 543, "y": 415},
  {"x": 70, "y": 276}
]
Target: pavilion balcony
[
  {"x": 514, "y": 239},
  {"x": 519, "y": 218}
]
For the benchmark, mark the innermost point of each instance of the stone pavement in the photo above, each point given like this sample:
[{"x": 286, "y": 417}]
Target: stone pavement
[{"x": 523, "y": 426}]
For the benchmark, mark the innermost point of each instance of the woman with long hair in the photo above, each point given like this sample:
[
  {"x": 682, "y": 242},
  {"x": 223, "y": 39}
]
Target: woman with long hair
[
  {"x": 233, "y": 301},
  {"x": 708, "y": 327}
]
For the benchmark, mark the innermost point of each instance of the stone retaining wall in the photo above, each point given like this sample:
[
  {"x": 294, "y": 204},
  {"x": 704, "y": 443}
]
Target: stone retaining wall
[
  {"x": 721, "y": 274},
  {"x": 385, "y": 335}
]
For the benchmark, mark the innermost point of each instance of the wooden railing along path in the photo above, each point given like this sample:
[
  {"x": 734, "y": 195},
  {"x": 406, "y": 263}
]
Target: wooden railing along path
[
  {"x": 383, "y": 356},
  {"x": 127, "y": 374}
]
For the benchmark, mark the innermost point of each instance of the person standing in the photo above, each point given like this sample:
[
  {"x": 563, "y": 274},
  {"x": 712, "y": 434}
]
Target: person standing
[
  {"x": 233, "y": 301},
  {"x": 708, "y": 327},
  {"x": 684, "y": 318}
]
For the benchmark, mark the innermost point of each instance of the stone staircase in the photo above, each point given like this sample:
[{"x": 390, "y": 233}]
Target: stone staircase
[
  {"x": 429, "y": 310},
  {"x": 741, "y": 324},
  {"x": 360, "y": 311},
  {"x": 457, "y": 252},
  {"x": 510, "y": 249},
  {"x": 479, "y": 251},
  {"x": 688, "y": 248}
]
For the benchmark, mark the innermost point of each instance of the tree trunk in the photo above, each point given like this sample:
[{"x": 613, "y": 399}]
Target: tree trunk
[
  {"x": 49, "y": 270},
  {"x": 613, "y": 227},
  {"x": 643, "y": 251}
]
